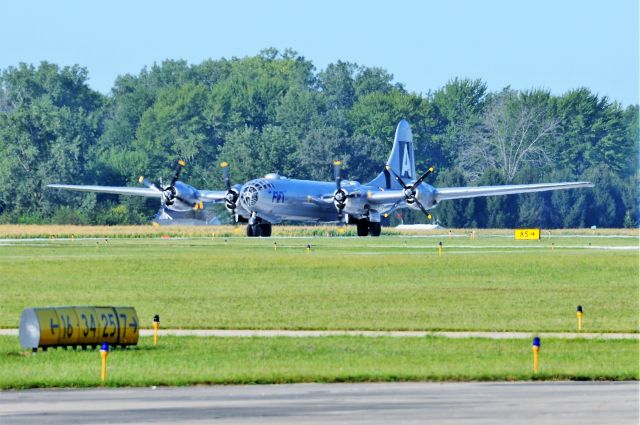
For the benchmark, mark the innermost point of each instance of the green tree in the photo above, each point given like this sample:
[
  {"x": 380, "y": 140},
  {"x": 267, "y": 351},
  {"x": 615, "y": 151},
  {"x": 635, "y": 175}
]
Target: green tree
[
  {"x": 498, "y": 211},
  {"x": 593, "y": 132},
  {"x": 517, "y": 129},
  {"x": 54, "y": 119},
  {"x": 317, "y": 150},
  {"x": 605, "y": 207},
  {"x": 459, "y": 106},
  {"x": 453, "y": 213},
  {"x": 376, "y": 115},
  {"x": 176, "y": 127},
  {"x": 338, "y": 85},
  {"x": 373, "y": 80}
]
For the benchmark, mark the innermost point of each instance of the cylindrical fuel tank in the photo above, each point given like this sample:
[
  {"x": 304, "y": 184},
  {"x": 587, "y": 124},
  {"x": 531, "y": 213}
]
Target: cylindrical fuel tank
[{"x": 78, "y": 326}]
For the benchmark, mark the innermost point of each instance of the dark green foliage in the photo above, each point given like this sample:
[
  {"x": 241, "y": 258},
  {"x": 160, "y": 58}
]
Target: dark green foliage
[
  {"x": 274, "y": 112},
  {"x": 454, "y": 214},
  {"x": 51, "y": 121},
  {"x": 459, "y": 106}
]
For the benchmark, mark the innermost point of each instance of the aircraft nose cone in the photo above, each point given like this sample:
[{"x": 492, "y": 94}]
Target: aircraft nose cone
[{"x": 403, "y": 132}]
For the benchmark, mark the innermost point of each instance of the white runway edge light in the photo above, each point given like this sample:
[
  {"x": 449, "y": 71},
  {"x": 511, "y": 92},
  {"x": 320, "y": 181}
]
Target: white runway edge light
[{"x": 82, "y": 326}]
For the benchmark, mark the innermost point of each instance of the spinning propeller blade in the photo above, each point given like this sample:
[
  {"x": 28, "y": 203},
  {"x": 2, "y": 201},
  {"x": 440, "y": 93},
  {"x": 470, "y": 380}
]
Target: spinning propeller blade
[
  {"x": 340, "y": 196},
  {"x": 176, "y": 176},
  {"x": 410, "y": 191},
  {"x": 231, "y": 197},
  {"x": 169, "y": 193}
]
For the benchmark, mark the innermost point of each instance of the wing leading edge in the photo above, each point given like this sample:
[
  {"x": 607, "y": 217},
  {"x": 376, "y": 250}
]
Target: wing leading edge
[
  {"x": 473, "y": 192},
  {"x": 204, "y": 195},
  {"x": 116, "y": 190},
  {"x": 443, "y": 194}
]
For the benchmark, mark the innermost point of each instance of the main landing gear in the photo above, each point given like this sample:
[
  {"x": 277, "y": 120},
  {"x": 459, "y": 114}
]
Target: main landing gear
[
  {"x": 259, "y": 229},
  {"x": 365, "y": 227}
]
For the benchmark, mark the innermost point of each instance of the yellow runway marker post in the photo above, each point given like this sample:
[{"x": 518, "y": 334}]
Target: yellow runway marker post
[
  {"x": 536, "y": 350},
  {"x": 104, "y": 352},
  {"x": 156, "y": 326},
  {"x": 579, "y": 314}
]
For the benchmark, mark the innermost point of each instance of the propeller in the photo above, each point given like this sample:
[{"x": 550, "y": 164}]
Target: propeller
[
  {"x": 176, "y": 176},
  {"x": 340, "y": 196},
  {"x": 169, "y": 193},
  {"x": 231, "y": 197},
  {"x": 410, "y": 190}
]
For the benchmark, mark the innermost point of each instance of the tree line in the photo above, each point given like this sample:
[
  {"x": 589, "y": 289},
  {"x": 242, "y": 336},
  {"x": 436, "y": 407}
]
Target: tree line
[{"x": 273, "y": 112}]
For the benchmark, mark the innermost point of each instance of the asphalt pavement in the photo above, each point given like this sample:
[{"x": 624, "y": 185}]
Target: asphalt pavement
[{"x": 556, "y": 403}]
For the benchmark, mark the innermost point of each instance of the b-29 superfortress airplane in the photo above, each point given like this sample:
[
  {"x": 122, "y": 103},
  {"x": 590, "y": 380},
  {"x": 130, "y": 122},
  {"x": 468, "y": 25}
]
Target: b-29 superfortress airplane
[{"x": 274, "y": 198}]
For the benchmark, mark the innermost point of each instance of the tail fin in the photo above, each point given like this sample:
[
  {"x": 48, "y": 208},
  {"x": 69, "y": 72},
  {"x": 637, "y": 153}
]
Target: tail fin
[{"x": 400, "y": 160}]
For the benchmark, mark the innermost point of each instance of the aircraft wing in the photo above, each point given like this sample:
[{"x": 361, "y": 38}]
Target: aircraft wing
[
  {"x": 212, "y": 195},
  {"x": 473, "y": 192},
  {"x": 116, "y": 190},
  {"x": 385, "y": 197},
  {"x": 392, "y": 199}
]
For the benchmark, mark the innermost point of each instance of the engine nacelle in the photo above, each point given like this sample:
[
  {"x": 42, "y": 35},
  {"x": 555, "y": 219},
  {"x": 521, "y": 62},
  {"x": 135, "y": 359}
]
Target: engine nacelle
[
  {"x": 425, "y": 194},
  {"x": 180, "y": 197},
  {"x": 356, "y": 204}
]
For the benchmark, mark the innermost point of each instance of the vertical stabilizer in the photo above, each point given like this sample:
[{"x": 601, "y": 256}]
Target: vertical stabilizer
[{"x": 400, "y": 160}]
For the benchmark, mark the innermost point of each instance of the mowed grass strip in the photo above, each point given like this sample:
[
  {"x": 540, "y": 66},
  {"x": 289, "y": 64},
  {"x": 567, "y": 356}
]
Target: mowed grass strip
[
  {"x": 17, "y": 231},
  {"x": 194, "y": 360},
  {"x": 343, "y": 283}
]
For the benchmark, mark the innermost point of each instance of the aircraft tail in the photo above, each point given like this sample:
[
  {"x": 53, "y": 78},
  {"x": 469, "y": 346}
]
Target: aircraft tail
[{"x": 401, "y": 160}]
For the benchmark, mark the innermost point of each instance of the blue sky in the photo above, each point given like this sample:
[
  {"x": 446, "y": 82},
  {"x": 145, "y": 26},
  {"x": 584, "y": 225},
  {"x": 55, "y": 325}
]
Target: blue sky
[{"x": 552, "y": 44}]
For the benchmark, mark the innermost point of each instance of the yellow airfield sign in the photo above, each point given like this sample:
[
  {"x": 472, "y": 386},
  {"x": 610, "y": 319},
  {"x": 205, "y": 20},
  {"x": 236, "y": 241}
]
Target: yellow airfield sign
[
  {"x": 78, "y": 326},
  {"x": 527, "y": 234}
]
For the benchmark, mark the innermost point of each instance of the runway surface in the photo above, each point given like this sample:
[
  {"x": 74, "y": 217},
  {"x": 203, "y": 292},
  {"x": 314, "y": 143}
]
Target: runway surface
[
  {"x": 245, "y": 333},
  {"x": 528, "y": 403}
]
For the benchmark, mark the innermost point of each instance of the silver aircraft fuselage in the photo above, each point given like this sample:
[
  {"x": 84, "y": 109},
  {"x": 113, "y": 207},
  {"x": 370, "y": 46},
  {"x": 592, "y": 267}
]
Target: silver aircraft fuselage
[{"x": 278, "y": 199}]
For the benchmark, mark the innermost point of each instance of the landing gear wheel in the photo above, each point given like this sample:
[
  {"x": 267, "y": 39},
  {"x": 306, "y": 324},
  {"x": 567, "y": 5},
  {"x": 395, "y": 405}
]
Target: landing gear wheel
[
  {"x": 265, "y": 229},
  {"x": 363, "y": 227},
  {"x": 375, "y": 228},
  {"x": 254, "y": 230}
]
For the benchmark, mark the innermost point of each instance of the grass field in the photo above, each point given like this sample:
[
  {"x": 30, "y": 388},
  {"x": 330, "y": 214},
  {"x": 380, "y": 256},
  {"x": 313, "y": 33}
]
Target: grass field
[
  {"x": 193, "y": 360},
  {"x": 68, "y": 231},
  {"x": 218, "y": 281},
  {"x": 387, "y": 283}
]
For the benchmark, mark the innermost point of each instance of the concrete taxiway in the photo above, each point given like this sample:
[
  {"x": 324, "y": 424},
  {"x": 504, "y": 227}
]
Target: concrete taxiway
[{"x": 527, "y": 403}]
